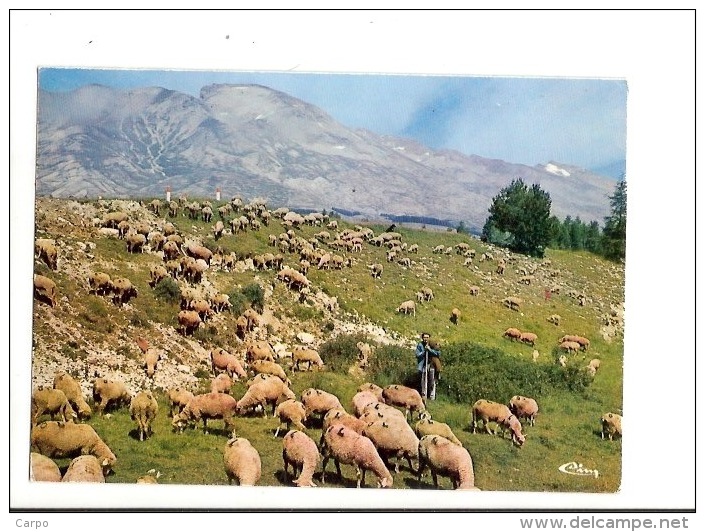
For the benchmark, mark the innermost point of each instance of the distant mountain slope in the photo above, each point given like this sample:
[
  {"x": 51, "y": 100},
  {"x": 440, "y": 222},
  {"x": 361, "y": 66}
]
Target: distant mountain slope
[{"x": 258, "y": 142}]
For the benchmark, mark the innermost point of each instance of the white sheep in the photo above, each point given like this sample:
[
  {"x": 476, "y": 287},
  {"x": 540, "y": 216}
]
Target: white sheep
[
  {"x": 376, "y": 411},
  {"x": 394, "y": 437},
  {"x": 407, "y": 307},
  {"x": 428, "y": 427},
  {"x": 51, "y": 401},
  {"x": 242, "y": 462},
  {"x": 611, "y": 425},
  {"x": 269, "y": 368},
  {"x": 65, "y": 440},
  {"x": 266, "y": 389},
  {"x": 310, "y": 356},
  {"x": 300, "y": 451},
  {"x": 444, "y": 457},
  {"x": 370, "y": 386},
  {"x": 107, "y": 392},
  {"x": 336, "y": 416},
  {"x": 43, "y": 468},
  {"x": 204, "y": 407},
  {"x": 72, "y": 389},
  {"x": 288, "y": 412},
  {"x": 221, "y": 384},
  {"x": 85, "y": 468},
  {"x": 524, "y": 408},
  {"x": 499, "y": 413},
  {"x": 143, "y": 410},
  {"x": 361, "y": 399},
  {"x": 403, "y": 396},
  {"x": 178, "y": 398},
  {"x": 364, "y": 352},
  {"x": 319, "y": 401},
  {"x": 346, "y": 446},
  {"x": 221, "y": 360}
]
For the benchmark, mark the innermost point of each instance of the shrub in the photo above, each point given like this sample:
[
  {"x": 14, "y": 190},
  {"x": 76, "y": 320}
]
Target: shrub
[
  {"x": 303, "y": 313},
  {"x": 255, "y": 295},
  {"x": 168, "y": 290},
  {"x": 340, "y": 352},
  {"x": 238, "y": 302}
]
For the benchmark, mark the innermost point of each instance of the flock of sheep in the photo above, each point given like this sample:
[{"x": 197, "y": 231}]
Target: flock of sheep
[{"x": 368, "y": 438}]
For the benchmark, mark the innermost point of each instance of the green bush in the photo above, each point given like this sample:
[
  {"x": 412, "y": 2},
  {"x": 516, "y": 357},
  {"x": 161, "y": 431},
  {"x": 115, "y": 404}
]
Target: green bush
[
  {"x": 238, "y": 302},
  {"x": 168, "y": 290},
  {"x": 393, "y": 365},
  {"x": 255, "y": 295},
  {"x": 340, "y": 353}
]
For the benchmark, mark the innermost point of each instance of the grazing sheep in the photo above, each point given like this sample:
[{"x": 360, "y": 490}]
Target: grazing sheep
[
  {"x": 611, "y": 425},
  {"x": 261, "y": 350},
  {"x": 112, "y": 219},
  {"x": 569, "y": 346},
  {"x": 427, "y": 427},
  {"x": 583, "y": 343},
  {"x": 499, "y": 413},
  {"x": 266, "y": 389},
  {"x": 512, "y": 333},
  {"x": 45, "y": 289},
  {"x": 156, "y": 274},
  {"x": 204, "y": 407},
  {"x": 444, "y": 457},
  {"x": 68, "y": 440},
  {"x": 310, "y": 356},
  {"x": 221, "y": 360},
  {"x": 135, "y": 242},
  {"x": 288, "y": 412},
  {"x": 427, "y": 293},
  {"x": 189, "y": 321},
  {"x": 221, "y": 384},
  {"x": 123, "y": 290},
  {"x": 512, "y": 303},
  {"x": 336, "y": 416},
  {"x": 595, "y": 363},
  {"x": 377, "y": 411},
  {"x": 407, "y": 307},
  {"x": 85, "y": 468},
  {"x": 301, "y": 452},
  {"x": 524, "y": 408},
  {"x": 319, "y": 401},
  {"x": 242, "y": 462},
  {"x": 555, "y": 319},
  {"x": 108, "y": 392},
  {"x": 45, "y": 250},
  {"x": 99, "y": 283},
  {"x": 43, "y": 468},
  {"x": 66, "y": 383},
  {"x": 348, "y": 447},
  {"x": 528, "y": 338},
  {"x": 361, "y": 399},
  {"x": 376, "y": 270},
  {"x": 393, "y": 437},
  {"x": 455, "y": 315},
  {"x": 143, "y": 410},
  {"x": 218, "y": 229},
  {"x": 178, "y": 399},
  {"x": 408, "y": 398},
  {"x": 51, "y": 401},
  {"x": 269, "y": 368},
  {"x": 371, "y": 387},
  {"x": 474, "y": 290}
]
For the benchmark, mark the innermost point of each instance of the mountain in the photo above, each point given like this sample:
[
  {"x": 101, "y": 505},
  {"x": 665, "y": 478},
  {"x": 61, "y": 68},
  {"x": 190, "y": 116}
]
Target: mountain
[{"x": 258, "y": 142}]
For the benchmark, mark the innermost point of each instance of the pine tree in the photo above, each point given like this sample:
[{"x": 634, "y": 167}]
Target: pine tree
[
  {"x": 614, "y": 235},
  {"x": 522, "y": 216}
]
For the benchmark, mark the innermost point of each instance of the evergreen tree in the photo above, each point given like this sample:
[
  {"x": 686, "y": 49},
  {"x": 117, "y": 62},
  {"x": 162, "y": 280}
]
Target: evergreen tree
[
  {"x": 614, "y": 235},
  {"x": 593, "y": 238},
  {"x": 523, "y": 214}
]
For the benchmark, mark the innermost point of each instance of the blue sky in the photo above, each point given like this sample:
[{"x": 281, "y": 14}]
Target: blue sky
[{"x": 574, "y": 121}]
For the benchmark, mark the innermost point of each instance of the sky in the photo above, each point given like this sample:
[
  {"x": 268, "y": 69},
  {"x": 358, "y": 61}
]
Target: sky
[{"x": 575, "y": 121}]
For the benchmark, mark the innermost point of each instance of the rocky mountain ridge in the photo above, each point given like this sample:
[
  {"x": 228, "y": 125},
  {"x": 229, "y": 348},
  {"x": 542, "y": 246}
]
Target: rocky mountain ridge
[{"x": 258, "y": 142}]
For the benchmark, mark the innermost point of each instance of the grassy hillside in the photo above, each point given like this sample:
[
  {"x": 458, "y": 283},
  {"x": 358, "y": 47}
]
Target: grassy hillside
[{"x": 87, "y": 334}]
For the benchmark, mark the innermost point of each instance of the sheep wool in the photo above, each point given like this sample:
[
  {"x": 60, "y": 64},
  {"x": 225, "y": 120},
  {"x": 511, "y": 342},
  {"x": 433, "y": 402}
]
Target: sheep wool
[
  {"x": 443, "y": 457},
  {"x": 393, "y": 438},
  {"x": 319, "y": 401},
  {"x": 301, "y": 452},
  {"x": 242, "y": 462},
  {"x": 524, "y": 408},
  {"x": 67, "y": 384},
  {"x": 288, "y": 412},
  {"x": 348, "y": 447},
  {"x": 84, "y": 469},
  {"x": 428, "y": 427},
  {"x": 64, "y": 440},
  {"x": 405, "y": 397},
  {"x": 204, "y": 407},
  {"x": 143, "y": 410},
  {"x": 263, "y": 391},
  {"x": 43, "y": 469}
]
